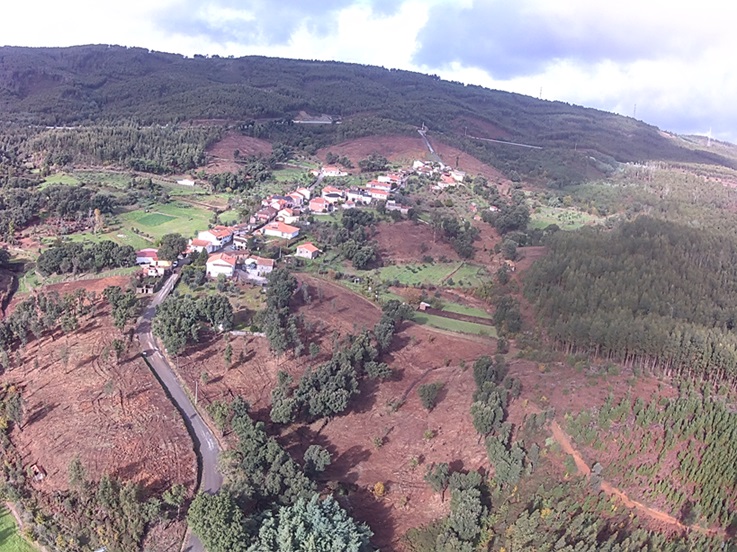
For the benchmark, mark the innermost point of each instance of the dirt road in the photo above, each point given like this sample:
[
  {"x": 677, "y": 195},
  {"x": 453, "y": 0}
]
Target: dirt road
[{"x": 609, "y": 489}]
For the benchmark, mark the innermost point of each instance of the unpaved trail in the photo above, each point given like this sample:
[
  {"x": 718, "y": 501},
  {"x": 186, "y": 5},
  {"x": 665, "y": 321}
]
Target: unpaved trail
[{"x": 609, "y": 489}]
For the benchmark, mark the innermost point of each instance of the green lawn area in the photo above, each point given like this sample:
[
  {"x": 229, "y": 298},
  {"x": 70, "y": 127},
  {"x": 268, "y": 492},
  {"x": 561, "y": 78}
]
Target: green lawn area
[
  {"x": 566, "y": 219},
  {"x": 458, "y": 273},
  {"x": 449, "y": 324},
  {"x": 289, "y": 174},
  {"x": 10, "y": 539},
  {"x": 470, "y": 311},
  {"x": 167, "y": 218},
  {"x": 229, "y": 217},
  {"x": 110, "y": 179},
  {"x": 59, "y": 178}
]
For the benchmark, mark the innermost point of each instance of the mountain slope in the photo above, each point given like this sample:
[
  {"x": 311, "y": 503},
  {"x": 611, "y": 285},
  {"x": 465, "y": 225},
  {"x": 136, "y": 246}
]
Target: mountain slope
[{"x": 95, "y": 84}]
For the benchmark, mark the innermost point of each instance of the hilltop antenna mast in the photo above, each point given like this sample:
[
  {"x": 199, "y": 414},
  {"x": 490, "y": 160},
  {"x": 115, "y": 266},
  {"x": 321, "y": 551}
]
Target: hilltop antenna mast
[
  {"x": 708, "y": 139},
  {"x": 634, "y": 112}
]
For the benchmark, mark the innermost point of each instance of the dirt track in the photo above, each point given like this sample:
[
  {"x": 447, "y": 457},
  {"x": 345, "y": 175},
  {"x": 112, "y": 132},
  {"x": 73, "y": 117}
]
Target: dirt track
[{"x": 610, "y": 490}]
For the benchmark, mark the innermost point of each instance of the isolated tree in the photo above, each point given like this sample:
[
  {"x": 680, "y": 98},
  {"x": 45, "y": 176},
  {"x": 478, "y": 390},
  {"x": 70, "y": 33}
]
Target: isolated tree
[
  {"x": 171, "y": 246},
  {"x": 428, "y": 393},
  {"x": 438, "y": 476},
  {"x": 316, "y": 459},
  {"x": 175, "y": 496}
]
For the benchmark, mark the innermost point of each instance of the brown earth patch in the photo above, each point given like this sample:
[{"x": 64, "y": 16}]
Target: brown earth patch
[
  {"x": 403, "y": 242},
  {"x": 404, "y": 150},
  {"x": 93, "y": 285},
  {"x": 386, "y": 427},
  {"x": 80, "y": 401},
  {"x": 221, "y": 154},
  {"x": 397, "y": 149}
]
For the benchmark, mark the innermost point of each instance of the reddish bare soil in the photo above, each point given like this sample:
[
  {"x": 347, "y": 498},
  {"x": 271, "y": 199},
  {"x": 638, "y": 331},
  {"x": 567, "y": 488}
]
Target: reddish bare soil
[
  {"x": 79, "y": 401},
  {"x": 406, "y": 149},
  {"x": 96, "y": 285},
  {"x": 397, "y": 149},
  {"x": 403, "y": 242},
  {"x": 221, "y": 154},
  {"x": 375, "y": 441}
]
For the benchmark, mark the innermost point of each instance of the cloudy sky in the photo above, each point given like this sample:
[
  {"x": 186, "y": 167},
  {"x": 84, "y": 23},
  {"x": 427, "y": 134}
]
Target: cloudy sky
[{"x": 669, "y": 63}]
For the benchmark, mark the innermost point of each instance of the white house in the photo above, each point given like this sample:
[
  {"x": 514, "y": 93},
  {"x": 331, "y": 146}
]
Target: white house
[
  {"x": 304, "y": 192},
  {"x": 258, "y": 266},
  {"x": 218, "y": 236},
  {"x": 307, "y": 251},
  {"x": 320, "y": 205},
  {"x": 330, "y": 171},
  {"x": 378, "y": 194},
  {"x": 221, "y": 263},
  {"x": 280, "y": 230},
  {"x": 147, "y": 256},
  {"x": 185, "y": 182},
  {"x": 157, "y": 268},
  {"x": 240, "y": 242},
  {"x": 288, "y": 215},
  {"x": 197, "y": 245},
  {"x": 358, "y": 196}
]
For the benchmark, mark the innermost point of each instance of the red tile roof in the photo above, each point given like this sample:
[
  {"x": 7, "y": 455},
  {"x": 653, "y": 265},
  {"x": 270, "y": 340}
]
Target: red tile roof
[{"x": 221, "y": 258}]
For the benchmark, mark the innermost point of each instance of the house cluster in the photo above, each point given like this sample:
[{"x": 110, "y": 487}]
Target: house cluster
[
  {"x": 333, "y": 197},
  {"x": 448, "y": 177}
]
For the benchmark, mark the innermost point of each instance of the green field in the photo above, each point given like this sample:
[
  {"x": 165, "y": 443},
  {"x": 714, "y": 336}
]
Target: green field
[
  {"x": 449, "y": 324},
  {"x": 447, "y": 274},
  {"x": 154, "y": 219},
  {"x": 470, "y": 311},
  {"x": 59, "y": 178},
  {"x": 566, "y": 219},
  {"x": 289, "y": 174},
  {"x": 10, "y": 539}
]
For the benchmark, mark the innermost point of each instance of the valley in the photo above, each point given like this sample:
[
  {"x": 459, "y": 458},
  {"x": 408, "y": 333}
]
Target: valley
[{"x": 492, "y": 349}]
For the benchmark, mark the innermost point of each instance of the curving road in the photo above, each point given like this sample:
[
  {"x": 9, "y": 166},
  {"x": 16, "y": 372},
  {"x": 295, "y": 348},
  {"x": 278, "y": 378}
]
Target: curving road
[{"x": 206, "y": 446}]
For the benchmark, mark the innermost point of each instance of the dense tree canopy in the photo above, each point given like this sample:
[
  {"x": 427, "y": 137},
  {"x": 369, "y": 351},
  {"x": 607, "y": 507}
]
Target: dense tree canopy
[{"x": 650, "y": 292}]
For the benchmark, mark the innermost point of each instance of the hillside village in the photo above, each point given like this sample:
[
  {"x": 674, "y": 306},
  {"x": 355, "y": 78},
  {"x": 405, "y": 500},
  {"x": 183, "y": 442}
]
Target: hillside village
[{"x": 232, "y": 249}]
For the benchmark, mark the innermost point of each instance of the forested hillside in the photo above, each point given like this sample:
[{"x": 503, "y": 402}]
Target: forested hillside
[
  {"x": 88, "y": 85},
  {"x": 651, "y": 293}
]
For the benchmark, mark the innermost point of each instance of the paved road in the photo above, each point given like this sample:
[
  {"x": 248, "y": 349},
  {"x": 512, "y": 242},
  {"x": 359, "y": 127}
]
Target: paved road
[{"x": 206, "y": 446}]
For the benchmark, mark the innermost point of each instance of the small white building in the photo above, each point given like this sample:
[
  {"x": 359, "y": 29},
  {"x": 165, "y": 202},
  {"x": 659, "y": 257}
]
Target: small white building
[
  {"x": 197, "y": 245},
  {"x": 320, "y": 205},
  {"x": 221, "y": 263},
  {"x": 185, "y": 182},
  {"x": 304, "y": 192},
  {"x": 218, "y": 236},
  {"x": 280, "y": 230},
  {"x": 307, "y": 251},
  {"x": 240, "y": 242},
  {"x": 358, "y": 196},
  {"x": 288, "y": 215},
  {"x": 258, "y": 266},
  {"x": 147, "y": 256}
]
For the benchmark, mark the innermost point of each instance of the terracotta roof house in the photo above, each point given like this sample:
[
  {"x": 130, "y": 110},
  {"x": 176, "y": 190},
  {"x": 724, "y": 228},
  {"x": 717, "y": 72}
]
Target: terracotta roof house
[
  {"x": 218, "y": 236},
  {"x": 307, "y": 251},
  {"x": 320, "y": 205},
  {"x": 378, "y": 194},
  {"x": 221, "y": 263},
  {"x": 280, "y": 230},
  {"x": 147, "y": 256}
]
